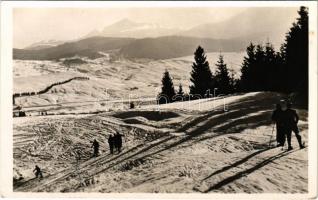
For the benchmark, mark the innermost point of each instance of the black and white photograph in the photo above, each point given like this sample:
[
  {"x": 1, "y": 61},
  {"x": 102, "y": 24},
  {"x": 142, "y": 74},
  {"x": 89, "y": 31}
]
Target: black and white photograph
[{"x": 163, "y": 99}]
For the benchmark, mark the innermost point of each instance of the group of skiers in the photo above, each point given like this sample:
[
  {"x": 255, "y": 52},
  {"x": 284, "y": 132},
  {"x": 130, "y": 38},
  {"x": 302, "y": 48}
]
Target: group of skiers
[
  {"x": 286, "y": 122},
  {"x": 114, "y": 141}
]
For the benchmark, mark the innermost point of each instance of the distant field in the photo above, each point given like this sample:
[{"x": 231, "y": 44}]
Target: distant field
[
  {"x": 121, "y": 79},
  {"x": 40, "y": 82}
]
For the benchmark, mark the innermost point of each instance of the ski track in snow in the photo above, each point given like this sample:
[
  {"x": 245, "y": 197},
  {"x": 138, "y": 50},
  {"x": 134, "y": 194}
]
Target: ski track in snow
[{"x": 189, "y": 151}]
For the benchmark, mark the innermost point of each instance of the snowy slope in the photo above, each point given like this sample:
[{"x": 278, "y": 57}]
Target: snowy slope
[
  {"x": 167, "y": 151},
  {"x": 140, "y": 78}
]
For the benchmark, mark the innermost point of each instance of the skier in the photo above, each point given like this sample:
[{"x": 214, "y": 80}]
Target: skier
[
  {"x": 290, "y": 123},
  {"x": 95, "y": 145},
  {"x": 277, "y": 117},
  {"x": 118, "y": 141},
  {"x": 111, "y": 142},
  {"x": 38, "y": 172}
]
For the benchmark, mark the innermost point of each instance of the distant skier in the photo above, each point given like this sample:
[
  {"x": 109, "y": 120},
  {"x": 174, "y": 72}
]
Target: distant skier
[
  {"x": 118, "y": 141},
  {"x": 37, "y": 171},
  {"x": 290, "y": 123},
  {"x": 277, "y": 117},
  {"x": 95, "y": 146},
  {"x": 111, "y": 142}
]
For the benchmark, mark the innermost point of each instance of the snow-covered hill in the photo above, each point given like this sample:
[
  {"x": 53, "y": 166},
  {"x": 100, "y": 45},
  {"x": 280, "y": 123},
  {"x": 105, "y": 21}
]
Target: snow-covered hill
[
  {"x": 174, "y": 150},
  {"x": 119, "y": 79}
]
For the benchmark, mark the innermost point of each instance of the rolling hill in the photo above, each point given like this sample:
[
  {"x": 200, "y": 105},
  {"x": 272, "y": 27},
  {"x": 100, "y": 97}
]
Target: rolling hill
[
  {"x": 177, "y": 46},
  {"x": 152, "y": 48},
  {"x": 89, "y": 47}
]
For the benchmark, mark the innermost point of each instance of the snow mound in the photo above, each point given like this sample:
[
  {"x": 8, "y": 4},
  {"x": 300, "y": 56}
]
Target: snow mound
[{"x": 149, "y": 115}]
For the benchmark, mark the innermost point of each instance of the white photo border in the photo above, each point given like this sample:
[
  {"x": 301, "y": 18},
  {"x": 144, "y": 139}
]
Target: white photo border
[{"x": 6, "y": 128}]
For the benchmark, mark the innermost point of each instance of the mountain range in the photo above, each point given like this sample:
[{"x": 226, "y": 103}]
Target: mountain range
[
  {"x": 145, "y": 40},
  {"x": 152, "y": 48}
]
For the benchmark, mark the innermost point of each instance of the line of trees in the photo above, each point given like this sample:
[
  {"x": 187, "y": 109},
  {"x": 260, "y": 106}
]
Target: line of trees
[
  {"x": 286, "y": 70},
  {"x": 204, "y": 82},
  {"x": 263, "y": 69},
  {"x": 45, "y": 90}
]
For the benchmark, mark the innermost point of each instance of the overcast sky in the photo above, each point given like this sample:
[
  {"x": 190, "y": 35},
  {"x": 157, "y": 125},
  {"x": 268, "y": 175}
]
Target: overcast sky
[{"x": 32, "y": 25}]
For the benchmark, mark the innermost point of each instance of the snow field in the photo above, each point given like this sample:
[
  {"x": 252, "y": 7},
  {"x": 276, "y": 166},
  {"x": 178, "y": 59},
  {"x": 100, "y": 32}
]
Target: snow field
[{"x": 167, "y": 151}]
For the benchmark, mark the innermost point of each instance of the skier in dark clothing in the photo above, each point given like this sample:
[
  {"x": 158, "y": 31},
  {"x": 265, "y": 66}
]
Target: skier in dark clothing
[
  {"x": 95, "y": 146},
  {"x": 290, "y": 123},
  {"x": 277, "y": 117},
  {"x": 118, "y": 141},
  {"x": 111, "y": 142},
  {"x": 38, "y": 172}
]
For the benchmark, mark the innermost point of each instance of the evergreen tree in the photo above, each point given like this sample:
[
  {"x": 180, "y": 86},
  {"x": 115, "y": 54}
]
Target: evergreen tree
[
  {"x": 286, "y": 70},
  {"x": 234, "y": 83},
  {"x": 180, "y": 94},
  {"x": 270, "y": 68},
  {"x": 222, "y": 77},
  {"x": 247, "y": 70},
  {"x": 296, "y": 54},
  {"x": 260, "y": 70},
  {"x": 280, "y": 77},
  {"x": 201, "y": 75},
  {"x": 274, "y": 65},
  {"x": 180, "y": 91},
  {"x": 167, "y": 89}
]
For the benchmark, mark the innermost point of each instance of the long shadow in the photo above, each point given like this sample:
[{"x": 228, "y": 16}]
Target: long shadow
[
  {"x": 241, "y": 124},
  {"x": 98, "y": 159},
  {"x": 197, "y": 120},
  {"x": 243, "y": 160},
  {"x": 19, "y": 183},
  {"x": 148, "y": 147},
  {"x": 114, "y": 158},
  {"x": 81, "y": 165},
  {"x": 250, "y": 107},
  {"x": 210, "y": 123},
  {"x": 246, "y": 172},
  {"x": 245, "y": 106},
  {"x": 192, "y": 134},
  {"x": 135, "y": 154},
  {"x": 121, "y": 161}
]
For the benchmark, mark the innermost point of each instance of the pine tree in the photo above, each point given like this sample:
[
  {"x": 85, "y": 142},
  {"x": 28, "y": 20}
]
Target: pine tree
[
  {"x": 280, "y": 78},
  {"x": 167, "y": 89},
  {"x": 262, "y": 69},
  {"x": 269, "y": 67},
  {"x": 247, "y": 70},
  {"x": 260, "y": 79},
  {"x": 274, "y": 69},
  {"x": 296, "y": 54},
  {"x": 180, "y": 91},
  {"x": 222, "y": 77},
  {"x": 201, "y": 75},
  {"x": 180, "y": 94},
  {"x": 233, "y": 82}
]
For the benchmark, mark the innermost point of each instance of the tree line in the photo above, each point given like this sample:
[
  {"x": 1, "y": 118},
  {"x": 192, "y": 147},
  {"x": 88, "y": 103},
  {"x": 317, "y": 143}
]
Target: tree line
[
  {"x": 45, "y": 90},
  {"x": 263, "y": 69}
]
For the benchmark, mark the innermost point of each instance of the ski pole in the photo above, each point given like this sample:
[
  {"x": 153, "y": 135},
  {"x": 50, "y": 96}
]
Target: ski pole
[{"x": 270, "y": 139}]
